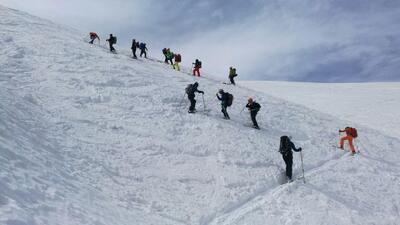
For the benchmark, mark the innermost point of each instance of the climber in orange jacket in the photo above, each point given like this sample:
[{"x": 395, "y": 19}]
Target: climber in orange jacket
[{"x": 351, "y": 133}]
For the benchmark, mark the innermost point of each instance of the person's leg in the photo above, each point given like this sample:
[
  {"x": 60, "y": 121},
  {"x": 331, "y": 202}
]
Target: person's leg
[
  {"x": 91, "y": 41},
  {"x": 341, "y": 143},
  {"x": 353, "y": 150},
  {"x": 232, "y": 81},
  {"x": 192, "y": 104},
  {"x": 289, "y": 162},
  {"x": 196, "y": 70},
  {"x": 253, "y": 118},
  {"x": 178, "y": 67},
  {"x": 225, "y": 107}
]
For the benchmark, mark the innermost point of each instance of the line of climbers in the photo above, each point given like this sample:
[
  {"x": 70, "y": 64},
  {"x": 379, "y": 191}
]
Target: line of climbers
[
  {"x": 112, "y": 40},
  {"x": 286, "y": 145},
  {"x": 169, "y": 56},
  {"x": 226, "y": 101}
]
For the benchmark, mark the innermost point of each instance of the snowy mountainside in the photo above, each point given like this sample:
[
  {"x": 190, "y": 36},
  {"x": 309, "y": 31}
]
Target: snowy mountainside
[{"x": 89, "y": 137}]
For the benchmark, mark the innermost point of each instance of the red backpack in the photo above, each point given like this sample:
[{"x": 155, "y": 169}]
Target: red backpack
[
  {"x": 178, "y": 58},
  {"x": 353, "y": 132}
]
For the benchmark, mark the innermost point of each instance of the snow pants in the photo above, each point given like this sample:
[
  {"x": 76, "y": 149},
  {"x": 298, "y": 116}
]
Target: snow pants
[
  {"x": 196, "y": 70},
  {"x": 232, "y": 80},
  {"x": 112, "y": 49},
  {"x": 143, "y": 52},
  {"x": 288, "y": 158},
  {"x": 192, "y": 103},
  {"x": 350, "y": 139},
  {"x": 134, "y": 53},
  {"x": 176, "y": 66},
  {"x": 253, "y": 115},
  {"x": 223, "y": 110}
]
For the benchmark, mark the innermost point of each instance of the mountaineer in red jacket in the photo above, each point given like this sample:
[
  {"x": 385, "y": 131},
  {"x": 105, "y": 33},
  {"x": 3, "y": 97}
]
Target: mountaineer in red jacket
[{"x": 93, "y": 37}]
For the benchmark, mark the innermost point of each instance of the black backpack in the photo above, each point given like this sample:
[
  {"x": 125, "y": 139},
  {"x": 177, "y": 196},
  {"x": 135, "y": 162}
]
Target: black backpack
[
  {"x": 229, "y": 99},
  {"x": 189, "y": 88},
  {"x": 284, "y": 147}
]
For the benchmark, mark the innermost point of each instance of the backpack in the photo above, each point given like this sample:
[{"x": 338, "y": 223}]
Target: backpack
[
  {"x": 284, "y": 147},
  {"x": 229, "y": 99},
  {"x": 178, "y": 58},
  {"x": 353, "y": 132},
  {"x": 189, "y": 88}
]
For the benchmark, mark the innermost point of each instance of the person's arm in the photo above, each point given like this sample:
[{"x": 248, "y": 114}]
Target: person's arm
[
  {"x": 219, "y": 98},
  {"x": 294, "y": 147},
  {"x": 201, "y": 92}
]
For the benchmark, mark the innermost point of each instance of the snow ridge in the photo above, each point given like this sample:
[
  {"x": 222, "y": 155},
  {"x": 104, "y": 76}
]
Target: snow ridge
[{"x": 89, "y": 137}]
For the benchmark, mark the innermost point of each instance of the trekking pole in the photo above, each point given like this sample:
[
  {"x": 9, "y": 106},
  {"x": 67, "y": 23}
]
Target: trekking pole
[
  {"x": 204, "y": 104},
  {"x": 242, "y": 110},
  {"x": 180, "y": 104},
  {"x": 302, "y": 166}
]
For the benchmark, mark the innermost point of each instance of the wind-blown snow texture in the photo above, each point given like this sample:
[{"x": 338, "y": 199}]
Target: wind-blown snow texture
[{"x": 89, "y": 137}]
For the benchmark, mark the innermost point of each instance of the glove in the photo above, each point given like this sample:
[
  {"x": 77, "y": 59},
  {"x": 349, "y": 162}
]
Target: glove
[{"x": 300, "y": 149}]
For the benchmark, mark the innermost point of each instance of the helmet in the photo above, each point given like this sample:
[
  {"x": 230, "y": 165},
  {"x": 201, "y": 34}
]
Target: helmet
[
  {"x": 221, "y": 91},
  {"x": 196, "y": 84},
  {"x": 250, "y": 99}
]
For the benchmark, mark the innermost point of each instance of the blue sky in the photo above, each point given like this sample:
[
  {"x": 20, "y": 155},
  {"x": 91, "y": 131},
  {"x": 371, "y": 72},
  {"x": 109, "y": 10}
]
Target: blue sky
[{"x": 307, "y": 40}]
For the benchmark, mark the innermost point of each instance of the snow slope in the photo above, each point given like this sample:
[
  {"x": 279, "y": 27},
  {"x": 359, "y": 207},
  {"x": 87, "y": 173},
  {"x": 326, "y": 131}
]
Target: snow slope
[
  {"x": 371, "y": 104},
  {"x": 89, "y": 137}
]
